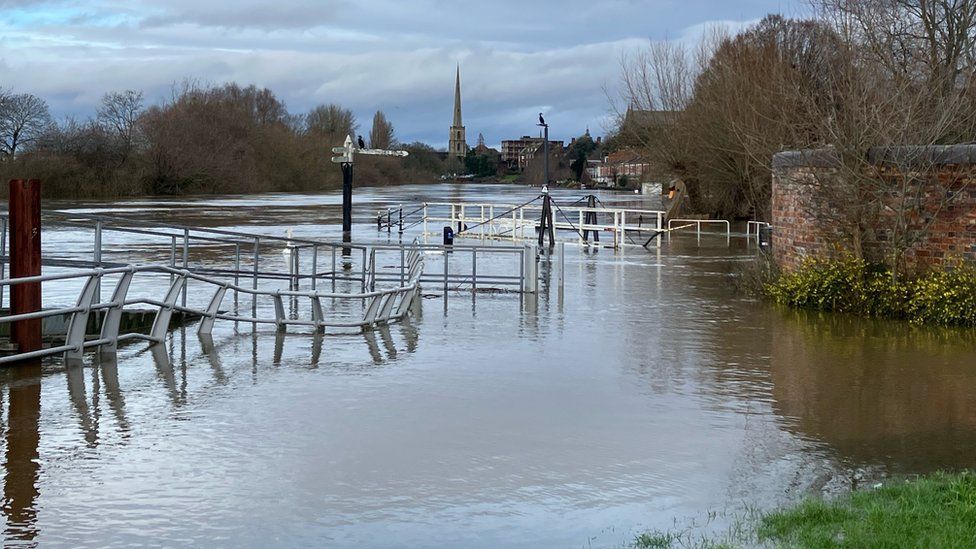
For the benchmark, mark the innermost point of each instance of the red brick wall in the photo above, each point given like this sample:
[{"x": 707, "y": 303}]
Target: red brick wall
[{"x": 798, "y": 234}]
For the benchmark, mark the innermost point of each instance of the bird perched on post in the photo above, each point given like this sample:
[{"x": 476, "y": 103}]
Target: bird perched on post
[
  {"x": 362, "y": 144},
  {"x": 542, "y": 121}
]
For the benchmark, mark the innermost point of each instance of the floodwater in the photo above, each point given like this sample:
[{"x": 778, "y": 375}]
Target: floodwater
[{"x": 650, "y": 394}]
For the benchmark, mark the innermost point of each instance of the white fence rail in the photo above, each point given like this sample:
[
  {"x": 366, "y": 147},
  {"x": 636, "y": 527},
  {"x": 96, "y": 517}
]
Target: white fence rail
[
  {"x": 519, "y": 222},
  {"x": 379, "y": 306}
]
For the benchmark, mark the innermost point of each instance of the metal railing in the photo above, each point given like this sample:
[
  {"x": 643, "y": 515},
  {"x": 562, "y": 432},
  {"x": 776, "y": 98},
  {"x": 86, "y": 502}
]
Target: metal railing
[
  {"x": 697, "y": 223},
  {"x": 759, "y": 225},
  {"x": 519, "y": 222},
  {"x": 379, "y": 306}
]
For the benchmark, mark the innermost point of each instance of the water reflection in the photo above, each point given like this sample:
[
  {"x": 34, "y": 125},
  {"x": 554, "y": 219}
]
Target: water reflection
[
  {"x": 878, "y": 392},
  {"x": 93, "y": 388},
  {"x": 22, "y": 463}
]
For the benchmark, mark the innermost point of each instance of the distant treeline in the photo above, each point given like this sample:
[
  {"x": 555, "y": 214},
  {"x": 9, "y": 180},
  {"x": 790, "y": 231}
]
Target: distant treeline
[{"x": 205, "y": 139}]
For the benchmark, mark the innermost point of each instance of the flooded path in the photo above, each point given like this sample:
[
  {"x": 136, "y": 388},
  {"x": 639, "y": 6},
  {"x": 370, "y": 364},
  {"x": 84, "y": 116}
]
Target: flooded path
[{"x": 652, "y": 392}]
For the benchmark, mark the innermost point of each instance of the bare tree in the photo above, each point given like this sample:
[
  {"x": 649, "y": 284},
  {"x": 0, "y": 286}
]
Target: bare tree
[
  {"x": 118, "y": 115},
  {"x": 23, "y": 119},
  {"x": 330, "y": 120},
  {"x": 893, "y": 100},
  {"x": 381, "y": 134},
  {"x": 930, "y": 39}
]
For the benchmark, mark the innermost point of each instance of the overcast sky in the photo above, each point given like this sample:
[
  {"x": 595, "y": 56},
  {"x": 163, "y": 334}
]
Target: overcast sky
[{"x": 517, "y": 57}]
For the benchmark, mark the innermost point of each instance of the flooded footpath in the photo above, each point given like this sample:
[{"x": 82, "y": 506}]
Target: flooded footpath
[{"x": 649, "y": 393}]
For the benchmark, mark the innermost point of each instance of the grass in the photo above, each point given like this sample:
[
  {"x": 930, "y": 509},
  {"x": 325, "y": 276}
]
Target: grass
[{"x": 934, "y": 511}]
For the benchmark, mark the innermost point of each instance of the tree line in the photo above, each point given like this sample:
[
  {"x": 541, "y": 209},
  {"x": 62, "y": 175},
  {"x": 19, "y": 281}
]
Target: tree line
[
  {"x": 203, "y": 139},
  {"x": 868, "y": 84}
]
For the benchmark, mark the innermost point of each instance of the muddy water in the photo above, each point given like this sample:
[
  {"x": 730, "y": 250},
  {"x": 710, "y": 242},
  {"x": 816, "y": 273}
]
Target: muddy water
[{"x": 651, "y": 392}]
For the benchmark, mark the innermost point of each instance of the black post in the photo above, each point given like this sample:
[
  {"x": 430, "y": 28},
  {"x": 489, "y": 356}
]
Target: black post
[
  {"x": 591, "y": 219},
  {"x": 346, "y": 205},
  {"x": 545, "y": 151},
  {"x": 552, "y": 234},
  {"x": 545, "y": 224}
]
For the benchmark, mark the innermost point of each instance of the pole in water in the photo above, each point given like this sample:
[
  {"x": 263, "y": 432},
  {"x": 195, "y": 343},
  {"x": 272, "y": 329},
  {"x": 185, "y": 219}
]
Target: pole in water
[
  {"x": 545, "y": 224},
  {"x": 25, "y": 260},
  {"x": 590, "y": 219},
  {"x": 346, "y": 204}
]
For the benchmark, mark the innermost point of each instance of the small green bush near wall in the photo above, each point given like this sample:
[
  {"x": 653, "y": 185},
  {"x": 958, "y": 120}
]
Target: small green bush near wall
[{"x": 944, "y": 296}]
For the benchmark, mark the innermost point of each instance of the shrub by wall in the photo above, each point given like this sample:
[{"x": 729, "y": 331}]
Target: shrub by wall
[{"x": 945, "y": 295}]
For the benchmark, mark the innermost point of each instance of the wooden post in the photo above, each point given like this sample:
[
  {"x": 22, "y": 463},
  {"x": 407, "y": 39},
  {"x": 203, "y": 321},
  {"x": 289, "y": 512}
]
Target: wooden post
[{"x": 25, "y": 260}]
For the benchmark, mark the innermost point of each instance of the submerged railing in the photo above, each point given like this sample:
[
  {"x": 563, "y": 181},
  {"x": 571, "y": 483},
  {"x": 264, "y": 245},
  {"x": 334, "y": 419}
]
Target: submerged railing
[
  {"x": 520, "y": 221},
  {"x": 87, "y": 249},
  {"x": 379, "y": 306}
]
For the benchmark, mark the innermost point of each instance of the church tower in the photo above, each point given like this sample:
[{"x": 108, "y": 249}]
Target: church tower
[{"x": 457, "y": 146}]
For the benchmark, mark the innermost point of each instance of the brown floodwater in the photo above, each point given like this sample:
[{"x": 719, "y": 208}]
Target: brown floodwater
[{"x": 650, "y": 394}]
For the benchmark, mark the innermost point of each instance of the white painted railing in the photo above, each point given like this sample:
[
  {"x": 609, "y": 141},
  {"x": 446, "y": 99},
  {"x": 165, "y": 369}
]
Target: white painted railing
[
  {"x": 759, "y": 225},
  {"x": 697, "y": 223},
  {"x": 380, "y": 306},
  {"x": 519, "y": 222}
]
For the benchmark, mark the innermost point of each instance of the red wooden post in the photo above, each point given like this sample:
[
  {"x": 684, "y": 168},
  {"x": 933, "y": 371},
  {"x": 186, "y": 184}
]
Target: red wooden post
[{"x": 25, "y": 260}]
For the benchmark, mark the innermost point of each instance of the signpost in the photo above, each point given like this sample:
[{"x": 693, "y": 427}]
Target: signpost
[{"x": 346, "y": 159}]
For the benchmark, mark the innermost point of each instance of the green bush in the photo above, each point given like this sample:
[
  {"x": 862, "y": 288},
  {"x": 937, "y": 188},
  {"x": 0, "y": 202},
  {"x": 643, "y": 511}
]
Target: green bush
[{"x": 944, "y": 296}]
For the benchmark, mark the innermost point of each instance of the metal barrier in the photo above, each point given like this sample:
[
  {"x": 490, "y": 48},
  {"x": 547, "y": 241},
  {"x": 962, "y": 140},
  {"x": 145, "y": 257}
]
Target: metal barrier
[
  {"x": 519, "y": 222},
  {"x": 758, "y": 225},
  {"x": 379, "y": 306},
  {"x": 698, "y": 223},
  {"x": 226, "y": 260}
]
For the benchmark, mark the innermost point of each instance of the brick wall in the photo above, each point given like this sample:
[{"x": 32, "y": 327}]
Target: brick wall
[{"x": 799, "y": 228}]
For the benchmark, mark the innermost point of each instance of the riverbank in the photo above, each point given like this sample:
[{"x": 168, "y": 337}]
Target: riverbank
[
  {"x": 944, "y": 295},
  {"x": 938, "y": 510},
  {"x": 934, "y": 511}
]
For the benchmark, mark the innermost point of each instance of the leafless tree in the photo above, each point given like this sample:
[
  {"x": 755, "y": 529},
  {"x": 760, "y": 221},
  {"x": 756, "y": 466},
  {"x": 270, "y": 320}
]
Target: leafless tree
[
  {"x": 893, "y": 100},
  {"x": 381, "y": 134},
  {"x": 332, "y": 121},
  {"x": 118, "y": 115},
  {"x": 23, "y": 119}
]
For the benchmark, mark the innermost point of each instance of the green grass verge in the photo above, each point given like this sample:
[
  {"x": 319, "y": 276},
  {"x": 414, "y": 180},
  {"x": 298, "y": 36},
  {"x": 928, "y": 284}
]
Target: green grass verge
[{"x": 935, "y": 511}]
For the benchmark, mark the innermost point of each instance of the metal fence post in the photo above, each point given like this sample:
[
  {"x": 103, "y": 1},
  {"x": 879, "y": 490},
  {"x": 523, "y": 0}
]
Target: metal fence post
[
  {"x": 562, "y": 265},
  {"x": 254, "y": 279},
  {"x": 3, "y": 255},
  {"x": 161, "y": 323},
  {"x": 78, "y": 324},
  {"x": 186, "y": 260},
  {"x": 97, "y": 257},
  {"x": 113, "y": 317},
  {"x": 237, "y": 273},
  {"x": 315, "y": 264},
  {"x": 364, "y": 270},
  {"x": 446, "y": 266}
]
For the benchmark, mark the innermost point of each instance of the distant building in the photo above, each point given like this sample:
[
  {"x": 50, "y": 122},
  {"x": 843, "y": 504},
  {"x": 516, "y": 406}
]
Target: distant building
[
  {"x": 457, "y": 146},
  {"x": 516, "y": 153},
  {"x": 627, "y": 162}
]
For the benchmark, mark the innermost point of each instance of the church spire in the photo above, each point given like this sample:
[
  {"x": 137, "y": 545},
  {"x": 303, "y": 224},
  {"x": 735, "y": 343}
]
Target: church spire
[
  {"x": 457, "y": 146},
  {"x": 457, "y": 98}
]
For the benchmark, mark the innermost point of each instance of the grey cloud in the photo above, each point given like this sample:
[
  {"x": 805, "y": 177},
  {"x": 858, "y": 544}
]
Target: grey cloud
[{"x": 367, "y": 55}]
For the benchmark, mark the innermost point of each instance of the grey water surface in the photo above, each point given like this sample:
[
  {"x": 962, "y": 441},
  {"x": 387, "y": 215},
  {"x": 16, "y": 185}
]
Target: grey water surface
[{"x": 650, "y": 394}]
